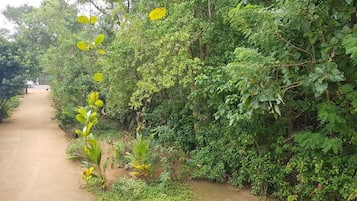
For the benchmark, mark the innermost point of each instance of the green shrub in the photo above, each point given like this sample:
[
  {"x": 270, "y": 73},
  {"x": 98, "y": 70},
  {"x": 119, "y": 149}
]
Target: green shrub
[
  {"x": 120, "y": 148},
  {"x": 75, "y": 149},
  {"x": 7, "y": 106}
]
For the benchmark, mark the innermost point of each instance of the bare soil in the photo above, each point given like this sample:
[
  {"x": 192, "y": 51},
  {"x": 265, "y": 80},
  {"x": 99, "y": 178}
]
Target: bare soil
[
  {"x": 32, "y": 155},
  {"x": 208, "y": 191}
]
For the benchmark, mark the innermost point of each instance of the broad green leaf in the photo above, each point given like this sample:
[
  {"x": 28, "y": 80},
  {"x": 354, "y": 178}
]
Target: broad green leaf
[
  {"x": 158, "y": 13},
  {"x": 98, "y": 77},
  {"x": 349, "y": 2},
  {"x": 82, "y": 46},
  {"x": 99, "y": 39},
  {"x": 347, "y": 88},
  {"x": 292, "y": 198},
  {"x": 94, "y": 151},
  {"x": 101, "y": 51},
  {"x": 93, "y": 19},
  {"x": 83, "y": 19}
]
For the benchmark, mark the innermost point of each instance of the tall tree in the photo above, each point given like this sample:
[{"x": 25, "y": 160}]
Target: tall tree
[{"x": 11, "y": 80}]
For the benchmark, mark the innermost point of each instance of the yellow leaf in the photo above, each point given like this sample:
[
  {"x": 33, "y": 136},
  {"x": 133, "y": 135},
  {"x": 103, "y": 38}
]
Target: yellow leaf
[
  {"x": 88, "y": 173},
  {"x": 82, "y": 46},
  {"x": 134, "y": 174},
  {"x": 94, "y": 96},
  {"x": 99, "y": 103},
  {"x": 101, "y": 51},
  {"x": 93, "y": 19},
  {"x": 158, "y": 13},
  {"x": 99, "y": 39},
  {"x": 98, "y": 77},
  {"x": 83, "y": 19}
]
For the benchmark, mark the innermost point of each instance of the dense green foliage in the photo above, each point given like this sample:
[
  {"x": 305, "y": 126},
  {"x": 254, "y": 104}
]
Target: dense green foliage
[
  {"x": 257, "y": 93},
  {"x": 11, "y": 79}
]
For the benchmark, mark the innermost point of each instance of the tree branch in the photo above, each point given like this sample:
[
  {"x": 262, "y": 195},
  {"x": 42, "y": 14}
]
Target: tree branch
[
  {"x": 296, "y": 47},
  {"x": 209, "y": 10},
  {"x": 97, "y": 7},
  {"x": 289, "y": 65},
  {"x": 290, "y": 86}
]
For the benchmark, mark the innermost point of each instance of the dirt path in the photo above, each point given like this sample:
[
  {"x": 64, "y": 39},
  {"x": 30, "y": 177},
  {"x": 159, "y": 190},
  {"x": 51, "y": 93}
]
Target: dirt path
[{"x": 32, "y": 156}]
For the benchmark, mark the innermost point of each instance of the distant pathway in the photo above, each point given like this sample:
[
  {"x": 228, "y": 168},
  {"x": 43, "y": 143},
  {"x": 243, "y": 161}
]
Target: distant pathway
[{"x": 33, "y": 164}]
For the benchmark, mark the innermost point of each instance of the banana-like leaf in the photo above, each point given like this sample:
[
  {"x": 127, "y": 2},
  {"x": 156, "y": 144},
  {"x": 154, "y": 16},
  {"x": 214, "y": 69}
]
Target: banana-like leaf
[{"x": 94, "y": 151}]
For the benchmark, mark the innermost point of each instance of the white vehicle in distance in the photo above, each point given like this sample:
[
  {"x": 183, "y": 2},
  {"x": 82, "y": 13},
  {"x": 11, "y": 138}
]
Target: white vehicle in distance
[{"x": 29, "y": 83}]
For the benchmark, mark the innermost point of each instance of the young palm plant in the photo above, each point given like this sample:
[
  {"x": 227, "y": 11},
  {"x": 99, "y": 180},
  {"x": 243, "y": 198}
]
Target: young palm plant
[{"x": 139, "y": 157}]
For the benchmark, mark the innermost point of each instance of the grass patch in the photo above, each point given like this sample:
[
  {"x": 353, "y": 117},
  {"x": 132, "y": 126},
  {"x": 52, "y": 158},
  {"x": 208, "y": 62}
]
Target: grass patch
[
  {"x": 129, "y": 189},
  {"x": 107, "y": 131},
  {"x": 108, "y": 134}
]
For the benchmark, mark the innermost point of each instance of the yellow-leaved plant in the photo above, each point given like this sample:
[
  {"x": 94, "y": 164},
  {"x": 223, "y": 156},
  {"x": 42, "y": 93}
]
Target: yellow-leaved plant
[
  {"x": 88, "y": 115},
  {"x": 138, "y": 157},
  {"x": 158, "y": 13}
]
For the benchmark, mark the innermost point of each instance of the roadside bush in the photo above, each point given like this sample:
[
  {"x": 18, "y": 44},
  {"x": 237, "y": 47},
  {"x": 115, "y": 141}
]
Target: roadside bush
[{"x": 7, "y": 106}]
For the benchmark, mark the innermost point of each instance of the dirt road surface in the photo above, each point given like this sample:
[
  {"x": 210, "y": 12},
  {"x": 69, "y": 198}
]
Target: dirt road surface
[{"x": 32, "y": 155}]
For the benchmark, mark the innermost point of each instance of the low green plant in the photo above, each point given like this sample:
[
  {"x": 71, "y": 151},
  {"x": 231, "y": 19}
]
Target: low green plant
[
  {"x": 119, "y": 150},
  {"x": 129, "y": 189},
  {"x": 75, "y": 149},
  {"x": 139, "y": 156},
  {"x": 172, "y": 162},
  {"x": 88, "y": 117}
]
